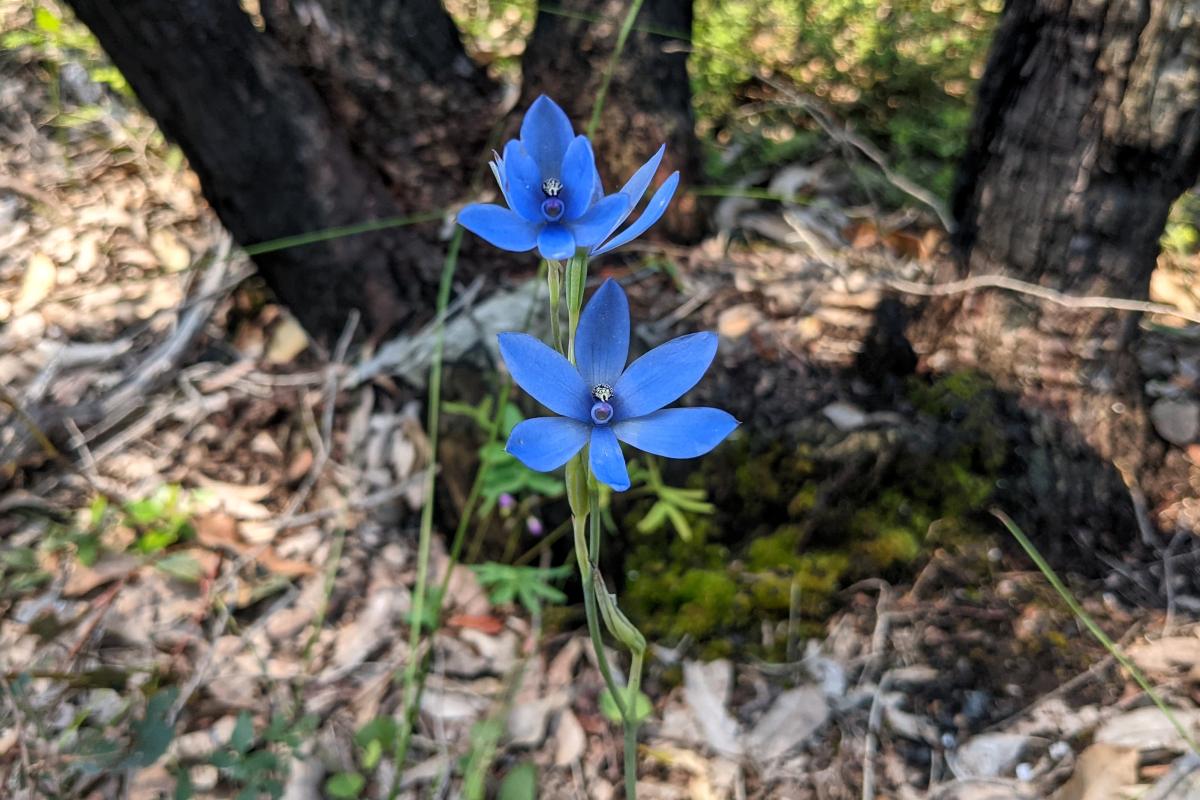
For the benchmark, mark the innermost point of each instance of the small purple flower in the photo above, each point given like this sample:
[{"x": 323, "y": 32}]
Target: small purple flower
[
  {"x": 506, "y": 501},
  {"x": 556, "y": 202},
  {"x": 603, "y": 402},
  {"x": 534, "y": 526}
]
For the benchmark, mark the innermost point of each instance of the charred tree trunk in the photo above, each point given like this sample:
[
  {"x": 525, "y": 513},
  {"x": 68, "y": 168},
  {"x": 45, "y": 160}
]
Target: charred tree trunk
[
  {"x": 1087, "y": 128},
  {"x": 649, "y": 100},
  {"x": 271, "y": 159},
  {"x": 396, "y": 77}
]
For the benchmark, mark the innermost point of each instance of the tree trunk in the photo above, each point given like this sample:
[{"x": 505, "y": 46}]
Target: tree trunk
[
  {"x": 396, "y": 77},
  {"x": 649, "y": 100},
  {"x": 270, "y": 159},
  {"x": 1087, "y": 128}
]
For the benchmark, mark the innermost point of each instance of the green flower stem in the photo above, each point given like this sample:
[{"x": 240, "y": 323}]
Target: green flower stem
[
  {"x": 589, "y": 602},
  {"x": 631, "y": 723},
  {"x": 554, "y": 279}
]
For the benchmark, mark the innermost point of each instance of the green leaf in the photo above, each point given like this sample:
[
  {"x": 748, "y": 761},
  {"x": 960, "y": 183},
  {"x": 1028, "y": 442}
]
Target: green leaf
[
  {"x": 372, "y": 754},
  {"x": 345, "y": 785},
  {"x": 153, "y": 733},
  {"x": 682, "y": 527},
  {"x": 97, "y": 510},
  {"x": 183, "y": 785},
  {"x": 243, "y": 733},
  {"x": 519, "y": 784},
  {"x": 608, "y": 707},
  {"x": 654, "y": 518}
]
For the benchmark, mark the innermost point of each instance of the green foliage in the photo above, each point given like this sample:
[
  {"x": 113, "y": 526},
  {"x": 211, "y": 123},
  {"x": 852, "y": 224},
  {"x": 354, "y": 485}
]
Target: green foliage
[
  {"x": 56, "y": 39},
  {"x": 505, "y": 474},
  {"x": 520, "y": 783},
  {"x": 148, "y": 738},
  {"x": 485, "y": 739},
  {"x": 161, "y": 520},
  {"x": 671, "y": 504},
  {"x": 642, "y": 707},
  {"x": 261, "y": 771},
  {"x": 528, "y": 585},
  {"x": 345, "y": 785},
  {"x": 898, "y": 72},
  {"x": 376, "y": 738}
]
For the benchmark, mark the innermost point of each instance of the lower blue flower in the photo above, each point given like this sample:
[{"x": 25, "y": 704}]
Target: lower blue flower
[{"x": 602, "y": 403}]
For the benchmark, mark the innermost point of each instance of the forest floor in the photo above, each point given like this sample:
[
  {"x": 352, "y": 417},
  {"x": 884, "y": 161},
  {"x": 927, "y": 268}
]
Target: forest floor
[{"x": 206, "y": 586}]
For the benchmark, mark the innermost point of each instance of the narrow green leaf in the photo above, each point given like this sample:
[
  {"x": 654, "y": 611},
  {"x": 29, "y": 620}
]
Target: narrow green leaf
[
  {"x": 520, "y": 783},
  {"x": 345, "y": 785}
]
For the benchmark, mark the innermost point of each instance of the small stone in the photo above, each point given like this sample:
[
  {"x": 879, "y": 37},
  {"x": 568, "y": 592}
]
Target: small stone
[
  {"x": 736, "y": 321},
  {"x": 204, "y": 777},
  {"x": 1177, "y": 421},
  {"x": 27, "y": 327}
]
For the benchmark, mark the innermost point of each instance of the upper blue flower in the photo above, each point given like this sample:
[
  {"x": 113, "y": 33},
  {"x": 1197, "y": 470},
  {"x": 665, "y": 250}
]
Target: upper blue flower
[
  {"x": 603, "y": 402},
  {"x": 555, "y": 200}
]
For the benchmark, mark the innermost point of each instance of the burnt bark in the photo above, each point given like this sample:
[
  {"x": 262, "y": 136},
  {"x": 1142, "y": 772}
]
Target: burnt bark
[
  {"x": 397, "y": 79},
  {"x": 271, "y": 160},
  {"x": 1087, "y": 129},
  {"x": 649, "y": 99}
]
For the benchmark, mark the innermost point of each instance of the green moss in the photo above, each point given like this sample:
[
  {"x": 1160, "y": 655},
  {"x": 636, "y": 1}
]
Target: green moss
[{"x": 793, "y": 527}]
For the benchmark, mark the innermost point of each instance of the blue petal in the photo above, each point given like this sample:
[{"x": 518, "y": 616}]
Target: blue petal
[
  {"x": 546, "y": 443},
  {"x": 524, "y": 185},
  {"x": 546, "y": 375},
  {"x": 602, "y": 338},
  {"x": 578, "y": 178},
  {"x": 500, "y": 226},
  {"x": 654, "y": 211},
  {"x": 546, "y": 133},
  {"x": 677, "y": 432},
  {"x": 600, "y": 219},
  {"x": 556, "y": 242},
  {"x": 663, "y": 374},
  {"x": 608, "y": 464},
  {"x": 636, "y": 186}
]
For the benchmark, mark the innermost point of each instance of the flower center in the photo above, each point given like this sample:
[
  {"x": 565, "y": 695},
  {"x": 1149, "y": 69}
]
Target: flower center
[
  {"x": 552, "y": 209},
  {"x": 551, "y": 187},
  {"x": 602, "y": 392},
  {"x": 602, "y": 412}
]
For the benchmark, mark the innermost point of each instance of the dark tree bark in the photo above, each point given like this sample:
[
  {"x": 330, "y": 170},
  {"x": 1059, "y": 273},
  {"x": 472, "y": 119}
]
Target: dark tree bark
[
  {"x": 649, "y": 100},
  {"x": 271, "y": 160},
  {"x": 396, "y": 77},
  {"x": 1087, "y": 128}
]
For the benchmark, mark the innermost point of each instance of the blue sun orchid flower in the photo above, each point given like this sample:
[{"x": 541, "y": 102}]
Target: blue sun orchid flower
[
  {"x": 556, "y": 202},
  {"x": 603, "y": 402}
]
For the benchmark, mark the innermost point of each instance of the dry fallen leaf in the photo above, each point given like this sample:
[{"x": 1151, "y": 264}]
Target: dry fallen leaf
[
  {"x": 40, "y": 276},
  {"x": 110, "y": 568},
  {"x": 1169, "y": 658},
  {"x": 173, "y": 254},
  {"x": 288, "y": 340},
  {"x": 1102, "y": 772}
]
